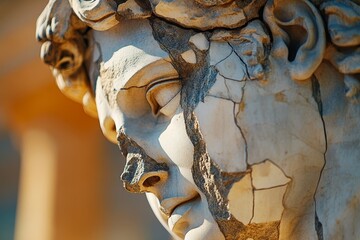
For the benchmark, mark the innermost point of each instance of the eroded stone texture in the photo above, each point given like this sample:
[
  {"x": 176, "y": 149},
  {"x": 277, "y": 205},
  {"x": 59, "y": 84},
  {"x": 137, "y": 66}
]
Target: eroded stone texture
[
  {"x": 207, "y": 15},
  {"x": 133, "y": 9},
  {"x": 139, "y": 166},
  {"x": 207, "y": 175},
  {"x": 238, "y": 118}
]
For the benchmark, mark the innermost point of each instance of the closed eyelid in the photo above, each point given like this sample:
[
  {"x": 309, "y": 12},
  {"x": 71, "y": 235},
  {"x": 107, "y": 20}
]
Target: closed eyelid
[
  {"x": 159, "y": 70},
  {"x": 162, "y": 94},
  {"x": 138, "y": 96}
]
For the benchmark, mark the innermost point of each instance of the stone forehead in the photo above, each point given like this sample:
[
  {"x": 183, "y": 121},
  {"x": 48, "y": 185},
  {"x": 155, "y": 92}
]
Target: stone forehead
[
  {"x": 202, "y": 14},
  {"x": 198, "y": 14}
]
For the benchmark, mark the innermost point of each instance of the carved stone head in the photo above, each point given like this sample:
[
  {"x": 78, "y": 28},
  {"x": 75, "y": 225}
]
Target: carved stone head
[{"x": 227, "y": 112}]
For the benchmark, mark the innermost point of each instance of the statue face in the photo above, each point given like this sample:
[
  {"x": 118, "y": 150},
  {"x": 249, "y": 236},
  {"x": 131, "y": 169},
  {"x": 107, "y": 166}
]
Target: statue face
[
  {"x": 217, "y": 107},
  {"x": 162, "y": 134},
  {"x": 146, "y": 107},
  {"x": 212, "y": 157}
]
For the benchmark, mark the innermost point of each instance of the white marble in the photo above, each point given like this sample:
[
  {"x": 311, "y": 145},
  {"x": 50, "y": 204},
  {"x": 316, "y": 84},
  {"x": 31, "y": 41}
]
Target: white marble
[
  {"x": 239, "y": 119},
  {"x": 241, "y": 200}
]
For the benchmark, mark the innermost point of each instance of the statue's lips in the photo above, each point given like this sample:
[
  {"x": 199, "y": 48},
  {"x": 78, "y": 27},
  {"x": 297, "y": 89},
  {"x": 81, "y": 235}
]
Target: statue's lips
[
  {"x": 179, "y": 221},
  {"x": 168, "y": 205},
  {"x": 176, "y": 209}
]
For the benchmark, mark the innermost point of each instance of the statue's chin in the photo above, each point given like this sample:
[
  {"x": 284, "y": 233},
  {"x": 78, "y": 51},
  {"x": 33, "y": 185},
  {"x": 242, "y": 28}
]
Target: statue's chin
[
  {"x": 207, "y": 230},
  {"x": 191, "y": 221}
]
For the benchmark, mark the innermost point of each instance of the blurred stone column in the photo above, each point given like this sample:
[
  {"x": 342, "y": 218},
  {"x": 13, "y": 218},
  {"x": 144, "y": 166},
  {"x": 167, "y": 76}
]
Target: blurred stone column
[
  {"x": 37, "y": 186},
  {"x": 61, "y": 174},
  {"x": 60, "y": 193}
]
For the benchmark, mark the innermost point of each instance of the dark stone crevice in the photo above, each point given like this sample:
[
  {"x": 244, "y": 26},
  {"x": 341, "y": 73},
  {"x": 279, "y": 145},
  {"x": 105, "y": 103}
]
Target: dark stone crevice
[
  {"x": 319, "y": 227},
  {"x": 253, "y": 193},
  {"x": 246, "y": 66},
  {"x": 197, "y": 79},
  {"x": 210, "y": 180},
  {"x": 317, "y": 97}
]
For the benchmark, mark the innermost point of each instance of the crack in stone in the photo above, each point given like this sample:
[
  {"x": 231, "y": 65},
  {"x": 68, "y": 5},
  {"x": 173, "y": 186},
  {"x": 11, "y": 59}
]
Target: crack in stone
[
  {"x": 231, "y": 94},
  {"x": 283, "y": 198},
  {"x": 232, "y": 79},
  {"x": 132, "y": 87},
  {"x": 253, "y": 193},
  {"x": 210, "y": 95},
  {"x": 283, "y": 204},
  {"x": 238, "y": 124},
  {"x": 197, "y": 79},
  {"x": 318, "y": 227},
  {"x": 317, "y": 97},
  {"x": 246, "y": 66},
  {"x": 228, "y": 93},
  {"x": 246, "y": 149},
  {"x": 282, "y": 185},
  {"x": 232, "y": 50},
  {"x": 212, "y": 183},
  {"x": 210, "y": 180},
  {"x": 275, "y": 164}
]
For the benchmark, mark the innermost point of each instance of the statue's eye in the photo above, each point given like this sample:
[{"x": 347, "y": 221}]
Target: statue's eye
[{"x": 164, "y": 97}]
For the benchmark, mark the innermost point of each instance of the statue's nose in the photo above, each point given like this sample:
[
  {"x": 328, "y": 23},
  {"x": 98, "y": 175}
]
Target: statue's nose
[{"x": 143, "y": 174}]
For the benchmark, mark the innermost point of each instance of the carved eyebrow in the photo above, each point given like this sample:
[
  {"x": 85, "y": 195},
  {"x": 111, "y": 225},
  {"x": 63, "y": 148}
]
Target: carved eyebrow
[{"x": 160, "y": 70}]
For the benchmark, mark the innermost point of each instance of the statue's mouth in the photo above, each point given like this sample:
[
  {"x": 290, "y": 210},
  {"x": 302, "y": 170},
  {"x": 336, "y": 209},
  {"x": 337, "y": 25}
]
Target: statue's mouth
[
  {"x": 179, "y": 219},
  {"x": 168, "y": 205},
  {"x": 176, "y": 211}
]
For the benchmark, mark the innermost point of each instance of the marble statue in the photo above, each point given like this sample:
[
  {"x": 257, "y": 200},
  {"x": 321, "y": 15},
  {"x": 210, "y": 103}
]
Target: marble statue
[{"x": 238, "y": 119}]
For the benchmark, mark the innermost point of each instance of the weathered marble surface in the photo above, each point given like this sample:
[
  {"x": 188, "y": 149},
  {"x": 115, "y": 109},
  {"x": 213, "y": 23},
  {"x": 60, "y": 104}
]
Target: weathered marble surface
[{"x": 239, "y": 119}]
